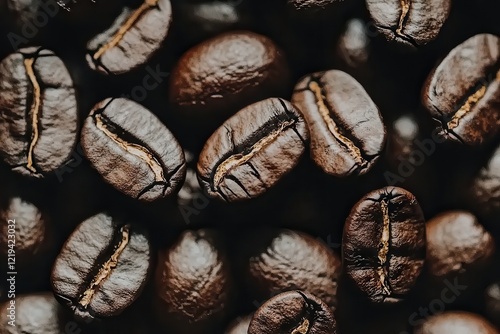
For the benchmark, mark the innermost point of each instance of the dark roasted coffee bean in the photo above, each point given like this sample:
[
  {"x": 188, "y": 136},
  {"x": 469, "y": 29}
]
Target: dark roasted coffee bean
[
  {"x": 456, "y": 322},
  {"x": 132, "y": 150},
  {"x": 294, "y": 312},
  {"x": 384, "y": 244},
  {"x": 458, "y": 247},
  {"x": 38, "y": 127},
  {"x": 463, "y": 92},
  {"x": 492, "y": 302},
  {"x": 310, "y": 5},
  {"x": 37, "y": 313},
  {"x": 485, "y": 193},
  {"x": 278, "y": 260},
  {"x": 239, "y": 326},
  {"x": 193, "y": 284},
  {"x": 252, "y": 150},
  {"x": 410, "y": 22},
  {"x": 102, "y": 268},
  {"x": 353, "y": 47},
  {"x": 346, "y": 129},
  {"x": 228, "y": 72},
  {"x": 26, "y": 240},
  {"x": 132, "y": 39}
]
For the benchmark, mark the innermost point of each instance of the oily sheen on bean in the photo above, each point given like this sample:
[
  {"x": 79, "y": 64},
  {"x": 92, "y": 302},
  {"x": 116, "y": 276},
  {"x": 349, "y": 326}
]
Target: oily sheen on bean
[
  {"x": 345, "y": 126},
  {"x": 39, "y": 123},
  {"x": 252, "y": 150},
  {"x": 102, "y": 267},
  {"x": 132, "y": 150},
  {"x": 384, "y": 244}
]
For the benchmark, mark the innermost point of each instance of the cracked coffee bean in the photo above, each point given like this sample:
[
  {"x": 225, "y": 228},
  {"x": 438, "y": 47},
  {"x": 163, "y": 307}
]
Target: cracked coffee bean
[
  {"x": 132, "y": 150},
  {"x": 384, "y": 244},
  {"x": 228, "y": 72},
  {"x": 278, "y": 260},
  {"x": 193, "y": 283},
  {"x": 345, "y": 126},
  {"x": 102, "y": 267},
  {"x": 293, "y": 312},
  {"x": 252, "y": 150},
  {"x": 463, "y": 92},
  {"x": 456, "y": 322},
  {"x": 39, "y": 123},
  {"x": 135, "y": 35},
  {"x": 412, "y": 23}
]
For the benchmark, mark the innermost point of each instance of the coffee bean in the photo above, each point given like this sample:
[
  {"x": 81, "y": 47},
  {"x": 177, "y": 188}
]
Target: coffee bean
[
  {"x": 228, "y": 72},
  {"x": 463, "y": 92},
  {"x": 38, "y": 127},
  {"x": 252, "y": 150},
  {"x": 346, "y": 129},
  {"x": 102, "y": 268},
  {"x": 294, "y": 312},
  {"x": 239, "y": 326},
  {"x": 133, "y": 150},
  {"x": 278, "y": 260},
  {"x": 456, "y": 322},
  {"x": 135, "y": 35},
  {"x": 37, "y": 313},
  {"x": 410, "y": 22},
  {"x": 485, "y": 193},
  {"x": 193, "y": 284},
  {"x": 458, "y": 246},
  {"x": 492, "y": 302},
  {"x": 384, "y": 244}
]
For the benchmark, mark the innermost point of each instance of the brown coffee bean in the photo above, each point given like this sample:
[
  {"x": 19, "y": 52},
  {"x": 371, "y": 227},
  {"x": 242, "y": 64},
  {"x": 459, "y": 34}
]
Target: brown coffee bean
[
  {"x": 463, "y": 92},
  {"x": 485, "y": 191},
  {"x": 132, "y": 150},
  {"x": 252, "y": 150},
  {"x": 39, "y": 123},
  {"x": 293, "y": 312},
  {"x": 132, "y": 38},
  {"x": 102, "y": 268},
  {"x": 346, "y": 128},
  {"x": 384, "y": 244},
  {"x": 409, "y": 22},
  {"x": 228, "y": 72},
  {"x": 456, "y": 322},
  {"x": 193, "y": 283}
]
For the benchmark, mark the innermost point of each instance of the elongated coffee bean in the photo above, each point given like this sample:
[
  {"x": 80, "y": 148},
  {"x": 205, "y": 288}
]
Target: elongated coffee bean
[
  {"x": 132, "y": 38},
  {"x": 293, "y": 312},
  {"x": 133, "y": 150},
  {"x": 346, "y": 129},
  {"x": 252, "y": 150},
  {"x": 102, "y": 268},
  {"x": 463, "y": 92},
  {"x": 384, "y": 244},
  {"x": 409, "y": 22},
  {"x": 39, "y": 117}
]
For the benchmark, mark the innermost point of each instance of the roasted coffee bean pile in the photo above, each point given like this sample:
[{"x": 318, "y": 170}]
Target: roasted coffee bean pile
[{"x": 249, "y": 166}]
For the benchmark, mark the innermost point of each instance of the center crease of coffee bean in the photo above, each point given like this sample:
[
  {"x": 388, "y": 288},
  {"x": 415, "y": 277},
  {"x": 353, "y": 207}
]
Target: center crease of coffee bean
[
  {"x": 468, "y": 105},
  {"x": 405, "y": 9},
  {"x": 106, "y": 268},
  {"x": 239, "y": 159},
  {"x": 125, "y": 27},
  {"x": 303, "y": 328},
  {"x": 354, "y": 151},
  {"x": 34, "y": 110},
  {"x": 134, "y": 149},
  {"x": 384, "y": 248}
]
